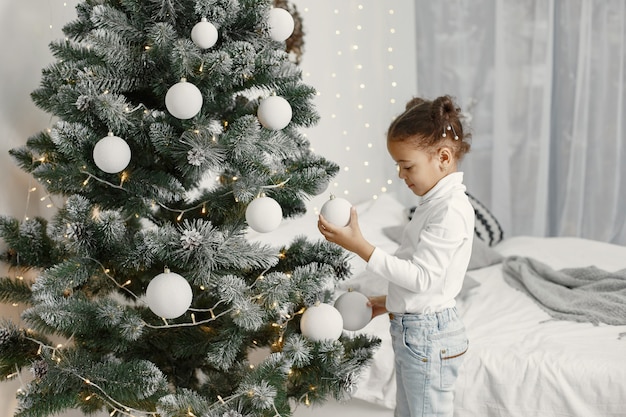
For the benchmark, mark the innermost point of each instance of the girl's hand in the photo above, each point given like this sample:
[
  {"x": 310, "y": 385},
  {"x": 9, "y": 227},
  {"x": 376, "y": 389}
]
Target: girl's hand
[
  {"x": 348, "y": 237},
  {"x": 378, "y": 304}
]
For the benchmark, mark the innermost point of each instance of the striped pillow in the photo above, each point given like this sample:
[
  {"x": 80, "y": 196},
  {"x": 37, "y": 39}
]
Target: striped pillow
[{"x": 486, "y": 226}]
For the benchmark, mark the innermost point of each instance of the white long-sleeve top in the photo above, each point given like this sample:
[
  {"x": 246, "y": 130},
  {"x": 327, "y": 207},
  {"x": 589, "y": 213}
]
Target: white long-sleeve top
[{"x": 426, "y": 272}]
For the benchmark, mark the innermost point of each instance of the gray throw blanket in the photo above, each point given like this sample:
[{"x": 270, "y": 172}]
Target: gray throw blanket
[{"x": 586, "y": 294}]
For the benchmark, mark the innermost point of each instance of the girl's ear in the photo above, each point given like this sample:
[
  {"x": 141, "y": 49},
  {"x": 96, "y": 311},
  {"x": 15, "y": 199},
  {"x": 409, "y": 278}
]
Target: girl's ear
[{"x": 445, "y": 158}]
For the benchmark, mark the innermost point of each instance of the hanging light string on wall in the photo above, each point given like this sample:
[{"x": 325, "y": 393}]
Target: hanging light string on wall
[{"x": 353, "y": 76}]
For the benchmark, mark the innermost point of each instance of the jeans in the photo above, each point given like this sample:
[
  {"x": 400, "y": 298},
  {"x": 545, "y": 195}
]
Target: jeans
[{"x": 429, "y": 349}]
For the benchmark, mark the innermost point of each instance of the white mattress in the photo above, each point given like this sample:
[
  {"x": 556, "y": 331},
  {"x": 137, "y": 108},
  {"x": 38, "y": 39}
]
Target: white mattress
[{"x": 520, "y": 362}]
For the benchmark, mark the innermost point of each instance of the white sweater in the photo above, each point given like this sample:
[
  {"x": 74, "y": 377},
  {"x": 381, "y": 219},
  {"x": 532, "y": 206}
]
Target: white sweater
[{"x": 426, "y": 272}]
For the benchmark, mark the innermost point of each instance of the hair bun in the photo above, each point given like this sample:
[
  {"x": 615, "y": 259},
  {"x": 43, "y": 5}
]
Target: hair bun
[{"x": 444, "y": 111}]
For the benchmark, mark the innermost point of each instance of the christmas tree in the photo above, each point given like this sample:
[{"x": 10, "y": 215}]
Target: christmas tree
[{"x": 177, "y": 128}]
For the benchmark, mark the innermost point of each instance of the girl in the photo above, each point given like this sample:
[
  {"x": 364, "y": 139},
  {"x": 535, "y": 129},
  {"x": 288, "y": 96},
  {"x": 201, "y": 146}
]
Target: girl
[{"x": 426, "y": 272}]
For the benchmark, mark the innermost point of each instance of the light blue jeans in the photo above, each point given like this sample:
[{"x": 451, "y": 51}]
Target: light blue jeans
[{"x": 429, "y": 349}]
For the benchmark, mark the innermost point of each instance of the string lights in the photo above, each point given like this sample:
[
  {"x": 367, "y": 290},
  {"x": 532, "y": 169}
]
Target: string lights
[{"x": 365, "y": 84}]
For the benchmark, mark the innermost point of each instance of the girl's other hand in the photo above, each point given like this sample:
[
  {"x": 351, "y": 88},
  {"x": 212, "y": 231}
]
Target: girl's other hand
[{"x": 378, "y": 304}]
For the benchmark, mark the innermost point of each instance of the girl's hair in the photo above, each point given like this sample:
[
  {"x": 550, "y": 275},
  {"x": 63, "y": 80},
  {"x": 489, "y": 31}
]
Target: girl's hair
[{"x": 431, "y": 125}]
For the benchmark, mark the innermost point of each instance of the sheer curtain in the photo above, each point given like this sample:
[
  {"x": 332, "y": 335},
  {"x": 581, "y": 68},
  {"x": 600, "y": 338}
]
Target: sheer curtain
[{"x": 543, "y": 84}]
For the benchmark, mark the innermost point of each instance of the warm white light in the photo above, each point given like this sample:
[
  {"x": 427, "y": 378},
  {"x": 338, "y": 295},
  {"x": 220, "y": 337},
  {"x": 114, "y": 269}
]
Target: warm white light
[{"x": 357, "y": 167}]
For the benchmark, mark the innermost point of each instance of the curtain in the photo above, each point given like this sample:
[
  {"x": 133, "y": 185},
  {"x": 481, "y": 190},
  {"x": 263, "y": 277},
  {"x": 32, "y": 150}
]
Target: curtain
[{"x": 542, "y": 84}]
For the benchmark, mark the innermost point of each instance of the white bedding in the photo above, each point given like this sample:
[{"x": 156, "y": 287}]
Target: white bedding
[{"x": 520, "y": 363}]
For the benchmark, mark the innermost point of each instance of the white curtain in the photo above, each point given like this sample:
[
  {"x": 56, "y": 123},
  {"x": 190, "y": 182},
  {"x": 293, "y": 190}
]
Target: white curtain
[{"x": 543, "y": 83}]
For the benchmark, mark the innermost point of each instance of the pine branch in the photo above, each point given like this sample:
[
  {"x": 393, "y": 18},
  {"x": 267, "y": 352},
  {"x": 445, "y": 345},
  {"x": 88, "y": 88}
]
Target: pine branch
[
  {"x": 28, "y": 242},
  {"x": 303, "y": 252},
  {"x": 17, "y": 349},
  {"x": 67, "y": 50},
  {"x": 14, "y": 290}
]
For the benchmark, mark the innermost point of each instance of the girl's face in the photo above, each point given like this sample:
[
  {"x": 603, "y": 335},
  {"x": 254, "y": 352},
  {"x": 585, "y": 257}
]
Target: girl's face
[{"x": 419, "y": 169}]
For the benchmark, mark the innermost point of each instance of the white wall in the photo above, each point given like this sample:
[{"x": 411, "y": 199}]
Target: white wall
[{"x": 358, "y": 55}]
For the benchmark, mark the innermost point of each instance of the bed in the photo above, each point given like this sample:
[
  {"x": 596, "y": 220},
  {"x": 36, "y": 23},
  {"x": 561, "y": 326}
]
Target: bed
[{"x": 521, "y": 361}]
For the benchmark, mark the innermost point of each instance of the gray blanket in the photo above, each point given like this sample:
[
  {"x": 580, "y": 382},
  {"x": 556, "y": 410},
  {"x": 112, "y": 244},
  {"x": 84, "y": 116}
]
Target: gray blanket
[{"x": 586, "y": 294}]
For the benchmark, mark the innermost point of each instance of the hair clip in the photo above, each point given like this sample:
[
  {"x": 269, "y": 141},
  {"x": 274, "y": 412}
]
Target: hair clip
[{"x": 450, "y": 127}]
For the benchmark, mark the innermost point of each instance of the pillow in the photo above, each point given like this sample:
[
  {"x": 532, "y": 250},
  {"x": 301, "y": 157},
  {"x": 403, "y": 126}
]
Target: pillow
[
  {"x": 486, "y": 226},
  {"x": 482, "y": 254},
  {"x": 394, "y": 232}
]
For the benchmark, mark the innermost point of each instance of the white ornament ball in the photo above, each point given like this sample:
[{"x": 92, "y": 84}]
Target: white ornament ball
[
  {"x": 274, "y": 113},
  {"x": 321, "y": 322},
  {"x": 183, "y": 100},
  {"x": 204, "y": 34},
  {"x": 281, "y": 24},
  {"x": 264, "y": 214},
  {"x": 111, "y": 154},
  {"x": 354, "y": 310},
  {"x": 169, "y": 295},
  {"x": 337, "y": 211}
]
